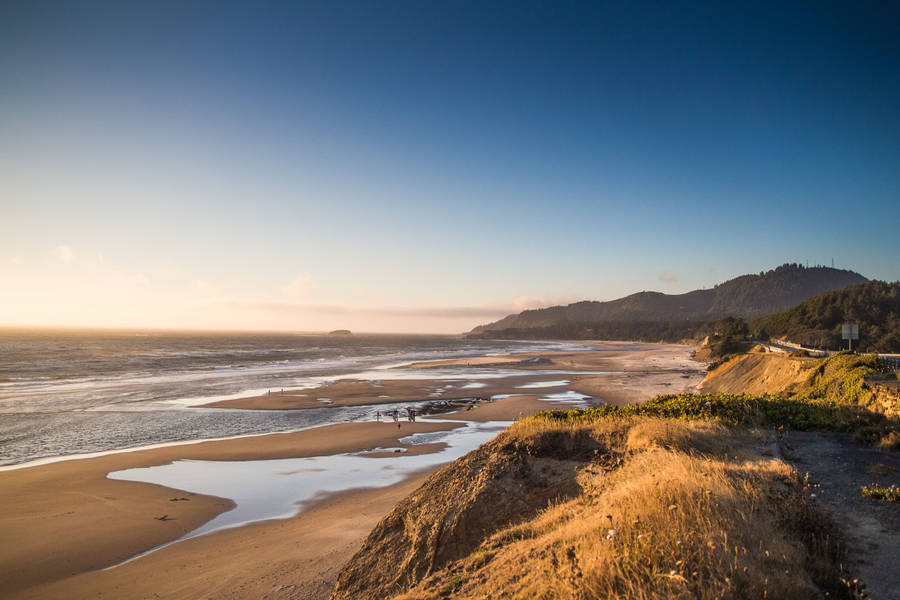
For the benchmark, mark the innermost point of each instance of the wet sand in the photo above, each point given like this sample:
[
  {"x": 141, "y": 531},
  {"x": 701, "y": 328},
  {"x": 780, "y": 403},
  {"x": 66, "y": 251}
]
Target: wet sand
[
  {"x": 355, "y": 392},
  {"x": 63, "y": 521},
  {"x": 290, "y": 558},
  {"x": 626, "y": 373},
  {"x": 66, "y": 520}
]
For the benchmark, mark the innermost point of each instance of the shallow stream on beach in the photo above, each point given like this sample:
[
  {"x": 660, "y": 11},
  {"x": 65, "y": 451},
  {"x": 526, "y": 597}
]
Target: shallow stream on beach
[{"x": 273, "y": 489}]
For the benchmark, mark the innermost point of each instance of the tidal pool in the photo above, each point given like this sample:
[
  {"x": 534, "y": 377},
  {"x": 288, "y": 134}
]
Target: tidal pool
[{"x": 277, "y": 489}]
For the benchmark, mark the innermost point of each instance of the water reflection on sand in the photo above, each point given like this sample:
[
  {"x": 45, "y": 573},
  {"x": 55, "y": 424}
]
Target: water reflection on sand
[{"x": 273, "y": 489}]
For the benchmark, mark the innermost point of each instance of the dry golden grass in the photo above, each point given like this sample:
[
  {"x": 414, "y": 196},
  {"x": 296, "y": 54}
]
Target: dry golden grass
[
  {"x": 669, "y": 509},
  {"x": 890, "y": 440}
]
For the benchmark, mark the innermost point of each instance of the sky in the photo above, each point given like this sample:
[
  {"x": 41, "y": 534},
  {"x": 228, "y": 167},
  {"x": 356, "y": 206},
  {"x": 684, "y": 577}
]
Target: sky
[{"x": 431, "y": 166}]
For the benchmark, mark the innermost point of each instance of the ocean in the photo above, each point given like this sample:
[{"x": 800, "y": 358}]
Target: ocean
[{"x": 72, "y": 392}]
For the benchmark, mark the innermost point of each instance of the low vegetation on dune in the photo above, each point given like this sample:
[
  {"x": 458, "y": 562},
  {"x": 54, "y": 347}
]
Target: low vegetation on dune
[
  {"x": 844, "y": 392},
  {"x": 664, "y": 509},
  {"x": 844, "y": 379},
  {"x": 890, "y": 493},
  {"x": 682, "y": 496},
  {"x": 803, "y": 414}
]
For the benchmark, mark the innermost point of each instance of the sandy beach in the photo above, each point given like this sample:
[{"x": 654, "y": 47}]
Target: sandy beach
[
  {"x": 54, "y": 512},
  {"x": 66, "y": 520},
  {"x": 631, "y": 372},
  {"x": 625, "y": 373},
  {"x": 289, "y": 558}
]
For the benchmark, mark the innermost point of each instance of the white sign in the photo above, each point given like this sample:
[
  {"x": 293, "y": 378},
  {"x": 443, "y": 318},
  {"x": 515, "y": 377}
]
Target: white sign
[{"x": 849, "y": 331}]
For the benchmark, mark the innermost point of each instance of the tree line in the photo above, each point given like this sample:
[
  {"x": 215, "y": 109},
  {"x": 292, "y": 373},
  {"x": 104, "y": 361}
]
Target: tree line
[{"x": 816, "y": 322}]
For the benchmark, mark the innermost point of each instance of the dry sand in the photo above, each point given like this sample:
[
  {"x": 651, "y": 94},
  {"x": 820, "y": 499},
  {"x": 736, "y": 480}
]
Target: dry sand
[{"x": 61, "y": 522}]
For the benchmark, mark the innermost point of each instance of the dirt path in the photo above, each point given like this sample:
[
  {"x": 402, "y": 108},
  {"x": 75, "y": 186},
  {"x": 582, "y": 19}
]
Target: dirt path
[{"x": 839, "y": 466}]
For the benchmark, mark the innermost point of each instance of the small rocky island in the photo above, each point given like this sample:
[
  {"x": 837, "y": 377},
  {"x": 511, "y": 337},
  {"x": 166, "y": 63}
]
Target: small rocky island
[{"x": 340, "y": 332}]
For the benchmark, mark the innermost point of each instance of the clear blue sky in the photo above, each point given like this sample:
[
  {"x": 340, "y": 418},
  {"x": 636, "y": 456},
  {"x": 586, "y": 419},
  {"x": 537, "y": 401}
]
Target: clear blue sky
[{"x": 426, "y": 166}]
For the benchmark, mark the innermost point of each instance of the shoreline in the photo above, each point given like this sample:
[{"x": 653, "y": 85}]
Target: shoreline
[
  {"x": 53, "y": 510},
  {"x": 119, "y": 519},
  {"x": 616, "y": 373},
  {"x": 299, "y": 557}
]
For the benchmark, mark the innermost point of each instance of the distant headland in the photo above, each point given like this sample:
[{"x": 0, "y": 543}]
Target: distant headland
[{"x": 340, "y": 332}]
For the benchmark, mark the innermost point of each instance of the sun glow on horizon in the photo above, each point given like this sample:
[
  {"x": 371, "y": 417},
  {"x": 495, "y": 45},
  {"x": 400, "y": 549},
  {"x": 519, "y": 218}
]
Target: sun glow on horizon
[{"x": 68, "y": 288}]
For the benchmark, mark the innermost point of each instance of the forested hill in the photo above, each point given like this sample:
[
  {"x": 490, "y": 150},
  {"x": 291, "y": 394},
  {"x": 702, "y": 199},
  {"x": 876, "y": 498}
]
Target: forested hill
[
  {"x": 875, "y": 306},
  {"x": 747, "y": 296}
]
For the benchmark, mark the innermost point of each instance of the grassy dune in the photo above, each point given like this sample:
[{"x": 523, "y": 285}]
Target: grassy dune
[
  {"x": 668, "y": 509},
  {"x": 845, "y": 392},
  {"x": 683, "y": 496}
]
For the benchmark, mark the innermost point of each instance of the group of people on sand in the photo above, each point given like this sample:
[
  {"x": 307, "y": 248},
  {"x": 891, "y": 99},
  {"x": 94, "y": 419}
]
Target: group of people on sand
[{"x": 395, "y": 414}]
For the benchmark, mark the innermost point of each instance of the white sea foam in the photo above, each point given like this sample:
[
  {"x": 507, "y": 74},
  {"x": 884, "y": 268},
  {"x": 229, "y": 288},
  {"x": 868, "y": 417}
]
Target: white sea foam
[{"x": 544, "y": 384}]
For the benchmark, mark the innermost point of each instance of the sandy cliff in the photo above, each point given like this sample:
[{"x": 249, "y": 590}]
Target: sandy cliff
[
  {"x": 602, "y": 508},
  {"x": 758, "y": 373}
]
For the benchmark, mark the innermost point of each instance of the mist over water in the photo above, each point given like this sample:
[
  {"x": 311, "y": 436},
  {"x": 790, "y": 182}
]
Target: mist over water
[{"x": 66, "y": 392}]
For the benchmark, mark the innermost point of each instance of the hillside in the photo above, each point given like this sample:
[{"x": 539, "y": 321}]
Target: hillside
[
  {"x": 844, "y": 377},
  {"x": 572, "y": 505},
  {"x": 681, "y": 496},
  {"x": 648, "y": 315},
  {"x": 874, "y": 305},
  {"x": 758, "y": 373}
]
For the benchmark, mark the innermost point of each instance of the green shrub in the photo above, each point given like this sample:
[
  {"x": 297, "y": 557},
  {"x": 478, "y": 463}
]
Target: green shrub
[
  {"x": 842, "y": 379},
  {"x": 744, "y": 409},
  {"x": 879, "y": 492}
]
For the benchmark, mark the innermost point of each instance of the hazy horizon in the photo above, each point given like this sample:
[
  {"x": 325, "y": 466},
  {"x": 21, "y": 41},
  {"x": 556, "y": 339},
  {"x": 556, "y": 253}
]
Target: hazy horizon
[
  {"x": 424, "y": 168},
  {"x": 497, "y": 314}
]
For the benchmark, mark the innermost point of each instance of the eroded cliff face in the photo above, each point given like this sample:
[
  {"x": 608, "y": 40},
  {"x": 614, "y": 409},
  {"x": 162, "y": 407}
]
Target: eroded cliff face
[
  {"x": 599, "y": 507},
  {"x": 502, "y": 483},
  {"x": 886, "y": 397},
  {"x": 758, "y": 373},
  {"x": 810, "y": 378}
]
